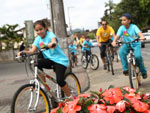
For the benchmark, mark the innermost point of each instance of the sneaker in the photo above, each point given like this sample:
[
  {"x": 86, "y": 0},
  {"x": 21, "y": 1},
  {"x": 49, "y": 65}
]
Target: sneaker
[
  {"x": 105, "y": 66},
  {"x": 144, "y": 76},
  {"x": 125, "y": 73}
]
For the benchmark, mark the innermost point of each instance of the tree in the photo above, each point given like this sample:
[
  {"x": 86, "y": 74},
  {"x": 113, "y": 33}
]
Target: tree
[
  {"x": 9, "y": 34},
  {"x": 137, "y": 8},
  {"x": 144, "y": 4}
]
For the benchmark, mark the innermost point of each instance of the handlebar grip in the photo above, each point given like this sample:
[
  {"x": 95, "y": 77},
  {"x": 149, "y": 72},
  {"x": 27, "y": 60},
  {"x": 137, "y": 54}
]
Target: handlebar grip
[
  {"x": 46, "y": 47},
  {"x": 53, "y": 45}
]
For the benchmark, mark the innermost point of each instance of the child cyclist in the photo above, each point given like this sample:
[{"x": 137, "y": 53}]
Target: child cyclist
[
  {"x": 54, "y": 56},
  {"x": 129, "y": 32},
  {"x": 73, "y": 51},
  {"x": 86, "y": 47}
]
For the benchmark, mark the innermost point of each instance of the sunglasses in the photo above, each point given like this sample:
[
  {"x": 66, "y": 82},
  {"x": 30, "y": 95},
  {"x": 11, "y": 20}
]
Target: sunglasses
[{"x": 104, "y": 24}]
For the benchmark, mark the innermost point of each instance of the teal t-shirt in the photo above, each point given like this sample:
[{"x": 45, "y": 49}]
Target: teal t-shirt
[
  {"x": 57, "y": 55},
  {"x": 85, "y": 43},
  {"x": 128, "y": 34},
  {"x": 72, "y": 48}
]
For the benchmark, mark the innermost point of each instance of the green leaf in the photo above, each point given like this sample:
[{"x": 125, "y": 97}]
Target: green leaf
[{"x": 111, "y": 86}]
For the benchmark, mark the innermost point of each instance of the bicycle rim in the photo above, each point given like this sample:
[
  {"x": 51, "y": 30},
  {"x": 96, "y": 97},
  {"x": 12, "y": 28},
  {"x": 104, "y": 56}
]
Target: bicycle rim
[
  {"x": 134, "y": 81},
  {"x": 73, "y": 84},
  {"x": 94, "y": 62},
  {"x": 22, "y": 97}
]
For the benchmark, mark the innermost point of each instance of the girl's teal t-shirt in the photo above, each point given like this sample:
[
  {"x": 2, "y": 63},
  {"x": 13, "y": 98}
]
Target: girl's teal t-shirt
[{"x": 57, "y": 55}]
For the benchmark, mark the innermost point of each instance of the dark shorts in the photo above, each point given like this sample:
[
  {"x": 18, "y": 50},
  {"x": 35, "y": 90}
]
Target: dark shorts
[
  {"x": 103, "y": 48},
  {"x": 58, "y": 68}
]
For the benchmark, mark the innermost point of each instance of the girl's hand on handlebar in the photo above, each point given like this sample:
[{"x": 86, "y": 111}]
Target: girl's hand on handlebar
[{"x": 51, "y": 45}]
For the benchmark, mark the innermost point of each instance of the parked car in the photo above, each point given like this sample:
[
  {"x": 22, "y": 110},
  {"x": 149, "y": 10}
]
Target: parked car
[
  {"x": 94, "y": 42},
  {"x": 147, "y": 36}
]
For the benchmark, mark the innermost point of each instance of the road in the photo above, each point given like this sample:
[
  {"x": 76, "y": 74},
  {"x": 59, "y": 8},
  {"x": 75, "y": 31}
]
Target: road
[{"x": 13, "y": 75}]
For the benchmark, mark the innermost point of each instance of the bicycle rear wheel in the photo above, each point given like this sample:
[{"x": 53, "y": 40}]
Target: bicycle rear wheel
[
  {"x": 94, "y": 62},
  {"x": 73, "y": 84},
  {"x": 22, "y": 97},
  {"x": 133, "y": 78}
]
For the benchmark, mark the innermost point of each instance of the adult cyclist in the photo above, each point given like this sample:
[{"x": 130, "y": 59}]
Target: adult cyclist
[{"x": 103, "y": 37}]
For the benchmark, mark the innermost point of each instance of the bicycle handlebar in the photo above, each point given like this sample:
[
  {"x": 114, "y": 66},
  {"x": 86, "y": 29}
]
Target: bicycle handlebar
[{"x": 137, "y": 39}]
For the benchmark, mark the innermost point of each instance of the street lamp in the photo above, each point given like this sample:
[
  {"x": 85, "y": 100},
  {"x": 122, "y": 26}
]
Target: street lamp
[{"x": 69, "y": 20}]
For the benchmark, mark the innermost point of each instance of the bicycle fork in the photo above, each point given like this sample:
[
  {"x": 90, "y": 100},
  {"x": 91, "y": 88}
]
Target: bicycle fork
[{"x": 37, "y": 91}]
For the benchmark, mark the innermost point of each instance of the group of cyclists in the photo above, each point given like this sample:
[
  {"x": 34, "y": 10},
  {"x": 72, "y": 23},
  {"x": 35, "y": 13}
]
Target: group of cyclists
[
  {"x": 105, "y": 35},
  {"x": 54, "y": 55}
]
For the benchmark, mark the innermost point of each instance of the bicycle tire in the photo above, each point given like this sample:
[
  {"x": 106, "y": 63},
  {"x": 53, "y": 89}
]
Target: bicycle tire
[
  {"x": 73, "y": 84},
  {"x": 21, "y": 100},
  {"x": 94, "y": 65},
  {"x": 84, "y": 63},
  {"x": 116, "y": 54},
  {"x": 110, "y": 62},
  {"x": 134, "y": 82}
]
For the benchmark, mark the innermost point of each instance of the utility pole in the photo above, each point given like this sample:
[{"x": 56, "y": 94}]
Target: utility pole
[
  {"x": 69, "y": 20},
  {"x": 58, "y": 23},
  {"x": 58, "y": 18}
]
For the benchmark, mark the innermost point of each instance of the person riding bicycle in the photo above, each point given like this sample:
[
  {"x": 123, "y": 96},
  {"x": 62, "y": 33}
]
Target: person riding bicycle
[
  {"x": 103, "y": 37},
  {"x": 76, "y": 40},
  {"x": 130, "y": 32},
  {"x": 82, "y": 38},
  {"x": 72, "y": 50},
  {"x": 53, "y": 56},
  {"x": 86, "y": 47}
]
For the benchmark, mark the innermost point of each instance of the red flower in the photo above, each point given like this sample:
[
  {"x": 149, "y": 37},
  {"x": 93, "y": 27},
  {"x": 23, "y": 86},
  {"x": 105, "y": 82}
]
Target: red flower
[
  {"x": 113, "y": 95},
  {"x": 140, "y": 106},
  {"x": 147, "y": 111},
  {"x": 130, "y": 90},
  {"x": 72, "y": 107},
  {"x": 121, "y": 106},
  {"x": 97, "y": 108},
  {"x": 100, "y": 90},
  {"x": 111, "y": 109}
]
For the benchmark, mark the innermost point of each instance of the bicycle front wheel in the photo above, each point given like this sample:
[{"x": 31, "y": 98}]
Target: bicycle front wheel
[
  {"x": 84, "y": 62},
  {"x": 73, "y": 84},
  {"x": 134, "y": 81},
  {"x": 22, "y": 99},
  {"x": 94, "y": 62}
]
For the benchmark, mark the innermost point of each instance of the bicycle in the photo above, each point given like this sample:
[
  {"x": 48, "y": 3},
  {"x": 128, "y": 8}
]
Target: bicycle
[
  {"x": 109, "y": 59},
  {"x": 133, "y": 70},
  {"x": 91, "y": 58},
  {"x": 73, "y": 59},
  {"x": 33, "y": 98}
]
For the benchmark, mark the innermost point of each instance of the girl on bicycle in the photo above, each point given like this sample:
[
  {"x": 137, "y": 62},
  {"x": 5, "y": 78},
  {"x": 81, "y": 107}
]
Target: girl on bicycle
[
  {"x": 129, "y": 32},
  {"x": 53, "y": 57}
]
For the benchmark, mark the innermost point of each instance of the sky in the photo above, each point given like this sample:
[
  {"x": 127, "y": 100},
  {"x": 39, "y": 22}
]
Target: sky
[{"x": 82, "y": 13}]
